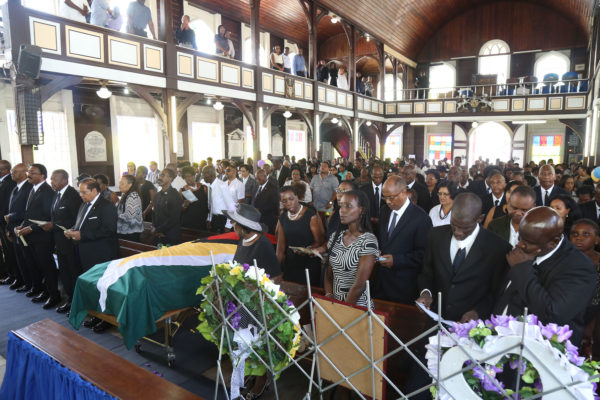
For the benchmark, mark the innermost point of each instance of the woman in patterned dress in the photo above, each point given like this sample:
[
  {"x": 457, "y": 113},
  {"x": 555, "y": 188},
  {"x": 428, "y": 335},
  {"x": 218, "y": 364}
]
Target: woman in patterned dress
[
  {"x": 129, "y": 210},
  {"x": 352, "y": 251}
]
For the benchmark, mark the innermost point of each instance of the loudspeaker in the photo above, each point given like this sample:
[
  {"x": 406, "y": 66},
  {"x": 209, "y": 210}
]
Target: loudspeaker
[
  {"x": 28, "y": 106},
  {"x": 30, "y": 60}
]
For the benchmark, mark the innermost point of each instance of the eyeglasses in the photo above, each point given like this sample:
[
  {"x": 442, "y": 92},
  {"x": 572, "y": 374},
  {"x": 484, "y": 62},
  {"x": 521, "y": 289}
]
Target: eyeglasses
[
  {"x": 338, "y": 190},
  {"x": 443, "y": 194}
]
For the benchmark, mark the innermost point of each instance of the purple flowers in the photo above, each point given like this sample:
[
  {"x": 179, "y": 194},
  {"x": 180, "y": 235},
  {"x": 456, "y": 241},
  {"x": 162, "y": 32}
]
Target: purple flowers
[
  {"x": 246, "y": 267},
  {"x": 236, "y": 318},
  {"x": 556, "y": 333},
  {"x": 462, "y": 330},
  {"x": 500, "y": 320},
  {"x": 488, "y": 379},
  {"x": 289, "y": 303}
]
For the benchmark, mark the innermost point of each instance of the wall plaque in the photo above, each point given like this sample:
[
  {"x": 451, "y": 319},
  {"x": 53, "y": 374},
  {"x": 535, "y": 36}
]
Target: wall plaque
[{"x": 94, "y": 145}]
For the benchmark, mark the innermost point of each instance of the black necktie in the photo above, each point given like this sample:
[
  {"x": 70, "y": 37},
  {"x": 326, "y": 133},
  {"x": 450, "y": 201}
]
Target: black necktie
[
  {"x": 496, "y": 202},
  {"x": 459, "y": 258},
  {"x": 80, "y": 215},
  {"x": 546, "y": 197},
  {"x": 56, "y": 201},
  {"x": 392, "y": 225},
  {"x": 377, "y": 200},
  {"x": 31, "y": 193}
]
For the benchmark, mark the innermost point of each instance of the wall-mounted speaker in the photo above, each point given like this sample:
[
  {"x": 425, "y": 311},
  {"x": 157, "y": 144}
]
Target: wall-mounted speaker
[{"x": 30, "y": 60}]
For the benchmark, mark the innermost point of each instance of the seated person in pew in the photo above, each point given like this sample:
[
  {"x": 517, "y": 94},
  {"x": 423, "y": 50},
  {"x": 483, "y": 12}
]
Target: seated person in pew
[{"x": 253, "y": 245}]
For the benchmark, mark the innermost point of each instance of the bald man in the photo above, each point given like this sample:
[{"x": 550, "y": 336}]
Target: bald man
[
  {"x": 547, "y": 188},
  {"x": 464, "y": 262},
  {"x": 548, "y": 275},
  {"x": 403, "y": 229}
]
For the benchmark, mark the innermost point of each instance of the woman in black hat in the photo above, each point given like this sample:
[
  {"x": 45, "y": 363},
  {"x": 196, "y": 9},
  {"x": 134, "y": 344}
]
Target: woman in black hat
[{"x": 253, "y": 244}]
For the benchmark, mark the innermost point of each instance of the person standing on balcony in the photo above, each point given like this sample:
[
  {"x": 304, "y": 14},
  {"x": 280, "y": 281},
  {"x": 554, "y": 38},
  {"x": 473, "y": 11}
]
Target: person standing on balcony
[
  {"x": 221, "y": 41},
  {"x": 333, "y": 74},
  {"x": 299, "y": 63},
  {"x": 230, "y": 44},
  {"x": 343, "y": 79},
  {"x": 185, "y": 35},
  {"x": 277, "y": 58},
  {"x": 138, "y": 17},
  {"x": 322, "y": 72},
  {"x": 116, "y": 20},
  {"x": 100, "y": 13},
  {"x": 74, "y": 9},
  {"x": 360, "y": 88},
  {"x": 287, "y": 61},
  {"x": 369, "y": 89}
]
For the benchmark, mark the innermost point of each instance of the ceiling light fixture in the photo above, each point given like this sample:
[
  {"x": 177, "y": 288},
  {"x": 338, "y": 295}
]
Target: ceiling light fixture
[
  {"x": 126, "y": 90},
  {"x": 335, "y": 19},
  {"x": 334, "y": 120},
  {"x": 104, "y": 93},
  {"x": 218, "y": 106},
  {"x": 340, "y": 123},
  {"x": 530, "y": 121},
  {"x": 208, "y": 102},
  {"x": 287, "y": 114},
  {"x": 367, "y": 37},
  {"x": 368, "y": 123}
]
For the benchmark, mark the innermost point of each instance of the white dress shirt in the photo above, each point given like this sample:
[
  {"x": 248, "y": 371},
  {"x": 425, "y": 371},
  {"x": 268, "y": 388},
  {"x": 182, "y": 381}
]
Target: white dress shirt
[
  {"x": 544, "y": 191},
  {"x": 466, "y": 243},
  {"x": 237, "y": 189},
  {"x": 88, "y": 210},
  {"x": 221, "y": 199},
  {"x": 514, "y": 236},
  {"x": 399, "y": 214},
  {"x": 499, "y": 199}
]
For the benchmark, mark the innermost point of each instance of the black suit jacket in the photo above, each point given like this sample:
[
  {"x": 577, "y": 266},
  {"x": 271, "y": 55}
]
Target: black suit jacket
[
  {"x": 479, "y": 188},
  {"x": 501, "y": 227},
  {"x": 558, "y": 290},
  {"x": 370, "y": 192},
  {"x": 98, "y": 242},
  {"x": 39, "y": 208},
  {"x": 267, "y": 202},
  {"x": 166, "y": 216},
  {"x": 16, "y": 207},
  {"x": 64, "y": 213},
  {"x": 473, "y": 284},
  {"x": 588, "y": 210},
  {"x": 250, "y": 189},
  {"x": 555, "y": 190},
  {"x": 284, "y": 174},
  {"x": 6, "y": 187},
  {"x": 488, "y": 203},
  {"x": 423, "y": 199},
  {"x": 407, "y": 245}
]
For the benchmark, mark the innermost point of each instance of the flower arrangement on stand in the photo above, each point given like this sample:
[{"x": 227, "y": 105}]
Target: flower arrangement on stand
[
  {"x": 236, "y": 287},
  {"x": 484, "y": 380}
]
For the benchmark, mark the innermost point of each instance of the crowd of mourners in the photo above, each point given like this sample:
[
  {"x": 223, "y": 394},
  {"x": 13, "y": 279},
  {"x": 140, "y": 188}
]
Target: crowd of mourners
[{"x": 492, "y": 238}]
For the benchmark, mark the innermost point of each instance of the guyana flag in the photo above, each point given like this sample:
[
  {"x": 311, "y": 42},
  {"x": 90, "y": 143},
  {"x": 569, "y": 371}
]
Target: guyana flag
[{"x": 139, "y": 289}]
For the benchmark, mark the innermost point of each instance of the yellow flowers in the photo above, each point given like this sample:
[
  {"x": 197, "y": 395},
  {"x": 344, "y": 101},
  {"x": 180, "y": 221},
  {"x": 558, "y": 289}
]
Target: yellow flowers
[{"x": 236, "y": 271}]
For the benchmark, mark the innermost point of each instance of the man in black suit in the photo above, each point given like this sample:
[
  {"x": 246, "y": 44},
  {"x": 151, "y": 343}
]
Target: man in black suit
[
  {"x": 482, "y": 188},
  {"x": 65, "y": 206},
  {"x": 496, "y": 198},
  {"x": 249, "y": 182},
  {"x": 95, "y": 228},
  {"x": 14, "y": 218},
  {"x": 591, "y": 209},
  {"x": 8, "y": 263},
  {"x": 266, "y": 200},
  {"x": 522, "y": 199},
  {"x": 281, "y": 172},
  {"x": 547, "y": 188},
  {"x": 464, "y": 262},
  {"x": 166, "y": 217},
  {"x": 410, "y": 175},
  {"x": 374, "y": 194},
  {"x": 403, "y": 229},
  {"x": 548, "y": 275},
  {"x": 40, "y": 242}
]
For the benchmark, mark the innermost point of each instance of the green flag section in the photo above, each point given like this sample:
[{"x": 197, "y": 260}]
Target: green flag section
[{"x": 139, "y": 289}]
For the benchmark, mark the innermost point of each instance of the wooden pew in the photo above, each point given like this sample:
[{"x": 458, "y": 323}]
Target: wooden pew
[{"x": 112, "y": 374}]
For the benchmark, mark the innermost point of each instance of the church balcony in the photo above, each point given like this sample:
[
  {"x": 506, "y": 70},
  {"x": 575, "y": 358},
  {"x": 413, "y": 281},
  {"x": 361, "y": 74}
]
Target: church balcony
[{"x": 79, "y": 49}]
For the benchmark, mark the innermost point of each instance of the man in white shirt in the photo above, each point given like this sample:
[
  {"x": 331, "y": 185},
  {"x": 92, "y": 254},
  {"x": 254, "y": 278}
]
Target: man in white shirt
[
  {"x": 153, "y": 173},
  {"x": 219, "y": 199},
  {"x": 287, "y": 61},
  {"x": 522, "y": 199},
  {"x": 74, "y": 9},
  {"x": 100, "y": 13}
]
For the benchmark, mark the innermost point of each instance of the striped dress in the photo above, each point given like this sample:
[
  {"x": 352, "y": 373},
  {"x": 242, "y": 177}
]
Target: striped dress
[{"x": 344, "y": 263}]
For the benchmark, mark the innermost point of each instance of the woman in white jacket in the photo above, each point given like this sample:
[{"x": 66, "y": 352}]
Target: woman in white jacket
[{"x": 342, "y": 80}]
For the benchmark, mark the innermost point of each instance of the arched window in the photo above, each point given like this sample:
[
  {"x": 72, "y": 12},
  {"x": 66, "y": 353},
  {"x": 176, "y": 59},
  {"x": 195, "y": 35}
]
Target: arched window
[
  {"x": 551, "y": 62},
  {"x": 442, "y": 79},
  {"x": 389, "y": 87},
  {"x": 490, "y": 141},
  {"x": 264, "y": 60},
  {"x": 205, "y": 37},
  {"x": 494, "y": 59}
]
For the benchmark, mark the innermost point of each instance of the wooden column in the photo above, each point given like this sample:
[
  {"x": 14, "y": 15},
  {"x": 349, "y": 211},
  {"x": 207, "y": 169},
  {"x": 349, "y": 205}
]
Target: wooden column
[
  {"x": 351, "y": 59},
  {"x": 312, "y": 44},
  {"x": 395, "y": 64},
  {"x": 381, "y": 54}
]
